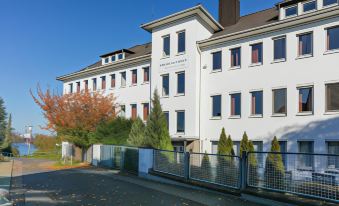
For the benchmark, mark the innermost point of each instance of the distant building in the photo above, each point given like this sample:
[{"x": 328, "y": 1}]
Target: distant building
[{"x": 271, "y": 73}]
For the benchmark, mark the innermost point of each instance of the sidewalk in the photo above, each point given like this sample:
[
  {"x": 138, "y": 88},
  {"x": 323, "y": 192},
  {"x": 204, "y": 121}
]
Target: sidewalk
[{"x": 5, "y": 180}]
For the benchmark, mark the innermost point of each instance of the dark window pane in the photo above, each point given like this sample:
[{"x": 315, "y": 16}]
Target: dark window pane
[
  {"x": 310, "y": 6},
  {"x": 279, "y": 101},
  {"x": 165, "y": 85},
  {"x": 106, "y": 60},
  {"x": 257, "y": 53},
  {"x": 236, "y": 57},
  {"x": 167, "y": 118},
  {"x": 329, "y": 2},
  {"x": 181, "y": 83},
  {"x": 305, "y": 161},
  {"x": 332, "y": 97},
  {"x": 283, "y": 149},
  {"x": 70, "y": 88},
  {"x": 120, "y": 56},
  {"x": 123, "y": 79},
  {"x": 113, "y": 58},
  {"x": 305, "y": 44},
  {"x": 146, "y": 74},
  {"x": 134, "y": 76},
  {"x": 216, "y": 60},
  {"x": 291, "y": 11},
  {"x": 181, "y": 42},
  {"x": 333, "y": 38},
  {"x": 333, "y": 161},
  {"x": 180, "y": 122},
  {"x": 235, "y": 104},
  {"x": 166, "y": 46},
  {"x": 305, "y": 100},
  {"x": 257, "y": 103},
  {"x": 280, "y": 49},
  {"x": 95, "y": 84},
  {"x": 216, "y": 106}
]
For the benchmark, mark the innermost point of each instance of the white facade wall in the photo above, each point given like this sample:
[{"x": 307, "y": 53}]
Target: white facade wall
[
  {"x": 130, "y": 94},
  {"x": 314, "y": 71}
]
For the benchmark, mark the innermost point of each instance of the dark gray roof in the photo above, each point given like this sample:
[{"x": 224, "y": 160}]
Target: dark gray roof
[
  {"x": 136, "y": 51},
  {"x": 257, "y": 19}
]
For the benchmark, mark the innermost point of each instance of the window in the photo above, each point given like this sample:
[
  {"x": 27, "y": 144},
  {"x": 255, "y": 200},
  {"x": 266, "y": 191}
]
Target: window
[
  {"x": 123, "y": 111},
  {"x": 145, "y": 111},
  {"x": 236, "y": 57},
  {"x": 330, "y": 2},
  {"x": 236, "y": 104},
  {"x": 181, "y": 83},
  {"x": 167, "y": 118},
  {"x": 291, "y": 11},
  {"x": 181, "y": 42},
  {"x": 257, "y": 53},
  {"x": 280, "y": 101},
  {"x": 283, "y": 149},
  {"x": 215, "y": 147},
  {"x": 78, "y": 87},
  {"x": 166, "y": 46},
  {"x": 112, "y": 80},
  {"x": 86, "y": 85},
  {"x": 181, "y": 122},
  {"x": 258, "y": 147},
  {"x": 106, "y": 60},
  {"x": 113, "y": 58},
  {"x": 216, "y": 60},
  {"x": 123, "y": 79},
  {"x": 120, "y": 56},
  {"x": 333, "y": 161},
  {"x": 333, "y": 38},
  {"x": 257, "y": 103},
  {"x": 134, "y": 113},
  {"x": 146, "y": 74},
  {"x": 309, "y": 6},
  {"x": 94, "y": 84},
  {"x": 103, "y": 82},
  {"x": 305, "y": 44},
  {"x": 216, "y": 106},
  {"x": 280, "y": 49},
  {"x": 305, "y": 161},
  {"x": 332, "y": 97},
  {"x": 70, "y": 88},
  {"x": 236, "y": 148},
  {"x": 165, "y": 85},
  {"x": 134, "y": 77},
  {"x": 306, "y": 100}
]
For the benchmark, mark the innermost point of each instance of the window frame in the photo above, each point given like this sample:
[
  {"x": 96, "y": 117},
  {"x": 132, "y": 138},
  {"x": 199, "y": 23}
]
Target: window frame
[
  {"x": 164, "y": 55},
  {"x": 136, "y": 111},
  {"x": 212, "y": 106},
  {"x": 148, "y": 74},
  {"x": 184, "y": 130},
  {"x": 123, "y": 109},
  {"x": 299, "y": 49},
  {"x": 114, "y": 58},
  {"x": 234, "y": 116},
  {"x": 162, "y": 85},
  {"x": 298, "y": 98},
  {"x": 302, "y": 167},
  {"x": 292, "y": 6},
  {"x": 136, "y": 77},
  {"x": 327, "y": 40},
  {"x": 145, "y": 117},
  {"x": 308, "y": 2},
  {"x": 326, "y": 98},
  {"x": 273, "y": 103},
  {"x": 125, "y": 79},
  {"x": 103, "y": 82},
  {"x": 167, "y": 118},
  {"x": 251, "y": 103},
  {"x": 86, "y": 83},
  {"x": 181, "y": 73},
  {"x": 231, "y": 60},
  {"x": 285, "y": 47},
  {"x": 330, "y": 5},
  {"x": 178, "y": 35},
  {"x": 328, "y": 142},
  {"x": 94, "y": 84},
  {"x": 262, "y": 54},
  {"x": 212, "y": 54},
  {"x": 115, "y": 81},
  {"x": 70, "y": 88}
]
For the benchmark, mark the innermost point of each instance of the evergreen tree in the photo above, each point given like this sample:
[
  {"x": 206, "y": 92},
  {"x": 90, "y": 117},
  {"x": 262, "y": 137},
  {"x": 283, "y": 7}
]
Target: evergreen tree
[
  {"x": 156, "y": 133},
  {"x": 206, "y": 165},
  {"x": 137, "y": 134},
  {"x": 244, "y": 144},
  {"x": 3, "y": 116},
  {"x": 8, "y": 134},
  {"x": 274, "y": 167},
  {"x": 222, "y": 144},
  {"x": 253, "y": 164}
]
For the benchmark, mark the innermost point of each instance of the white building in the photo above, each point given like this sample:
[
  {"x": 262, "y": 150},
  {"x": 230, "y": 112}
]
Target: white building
[{"x": 271, "y": 73}]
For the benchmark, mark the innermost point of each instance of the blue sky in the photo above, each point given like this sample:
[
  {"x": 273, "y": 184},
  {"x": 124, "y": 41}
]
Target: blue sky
[{"x": 43, "y": 39}]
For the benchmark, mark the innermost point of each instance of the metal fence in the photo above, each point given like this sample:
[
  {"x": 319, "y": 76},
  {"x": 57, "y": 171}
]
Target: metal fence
[
  {"x": 313, "y": 175},
  {"x": 169, "y": 162},
  {"x": 215, "y": 169},
  {"x": 119, "y": 157}
]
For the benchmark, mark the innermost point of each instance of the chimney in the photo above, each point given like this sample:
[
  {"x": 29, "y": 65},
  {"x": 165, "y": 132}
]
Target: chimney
[{"x": 229, "y": 12}]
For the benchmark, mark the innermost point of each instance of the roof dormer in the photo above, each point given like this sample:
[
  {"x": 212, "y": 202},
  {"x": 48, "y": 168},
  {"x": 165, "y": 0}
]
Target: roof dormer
[
  {"x": 292, "y": 8},
  {"x": 115, "y": 56}
]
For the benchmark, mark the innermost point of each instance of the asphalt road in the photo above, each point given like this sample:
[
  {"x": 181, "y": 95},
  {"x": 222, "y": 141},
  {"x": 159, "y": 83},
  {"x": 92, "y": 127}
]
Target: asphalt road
[{"x": 39, "y": 186}]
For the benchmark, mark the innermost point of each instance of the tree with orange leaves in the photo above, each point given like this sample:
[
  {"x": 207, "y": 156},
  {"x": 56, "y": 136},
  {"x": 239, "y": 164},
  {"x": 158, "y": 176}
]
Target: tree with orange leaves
[{"x": 74, "y": 117}]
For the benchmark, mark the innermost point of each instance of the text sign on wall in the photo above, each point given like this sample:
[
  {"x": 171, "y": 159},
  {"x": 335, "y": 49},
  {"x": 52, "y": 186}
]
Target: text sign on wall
[{"x": 174, "y": 63}]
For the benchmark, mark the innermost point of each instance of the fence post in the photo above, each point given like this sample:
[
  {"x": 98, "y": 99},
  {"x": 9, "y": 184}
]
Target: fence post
[
  {"x": 187, "y": 165},
  {"x": 243, "y": 174}
]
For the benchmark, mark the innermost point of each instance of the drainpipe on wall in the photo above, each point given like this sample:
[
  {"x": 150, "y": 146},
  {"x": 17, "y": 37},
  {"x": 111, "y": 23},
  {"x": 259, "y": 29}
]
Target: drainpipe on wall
[{"x": 199, "y": 133}]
